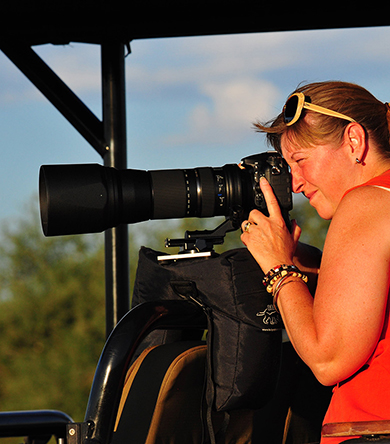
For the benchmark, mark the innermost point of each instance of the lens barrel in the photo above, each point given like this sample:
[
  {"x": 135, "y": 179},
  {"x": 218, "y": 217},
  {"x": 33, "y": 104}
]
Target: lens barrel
[{"x": 90, "y": 198}]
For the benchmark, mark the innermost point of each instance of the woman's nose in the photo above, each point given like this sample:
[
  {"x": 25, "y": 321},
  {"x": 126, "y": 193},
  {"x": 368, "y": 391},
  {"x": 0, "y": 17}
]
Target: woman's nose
[{"x": 297, "y": 182}]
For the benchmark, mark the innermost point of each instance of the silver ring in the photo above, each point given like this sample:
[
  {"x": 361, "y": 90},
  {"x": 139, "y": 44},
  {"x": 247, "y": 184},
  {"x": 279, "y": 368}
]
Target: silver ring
[{"x": 246, "y": 226}]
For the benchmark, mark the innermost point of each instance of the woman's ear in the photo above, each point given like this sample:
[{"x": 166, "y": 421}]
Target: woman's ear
[{"x": 356, "y": 142}]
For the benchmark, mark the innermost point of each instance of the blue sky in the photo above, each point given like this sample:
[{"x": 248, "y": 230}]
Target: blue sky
[{"x": 190, "y": 101}]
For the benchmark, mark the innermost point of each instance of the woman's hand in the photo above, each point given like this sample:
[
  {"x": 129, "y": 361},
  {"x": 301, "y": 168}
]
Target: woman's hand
[{"x": 268, "y": 238}]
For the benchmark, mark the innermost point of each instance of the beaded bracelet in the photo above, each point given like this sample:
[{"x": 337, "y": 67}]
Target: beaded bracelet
[
  {"x": 279, "y": 272},
  {"x": 276, "y": 271}
]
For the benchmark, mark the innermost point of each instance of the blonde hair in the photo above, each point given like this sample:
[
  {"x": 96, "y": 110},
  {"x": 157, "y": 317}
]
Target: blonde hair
[{"x": 346, "y": 98}]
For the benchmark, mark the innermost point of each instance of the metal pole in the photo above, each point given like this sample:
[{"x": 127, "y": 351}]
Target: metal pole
[
  {"x": 114, "y": 123},
  {"x": 57, "y": 92}
]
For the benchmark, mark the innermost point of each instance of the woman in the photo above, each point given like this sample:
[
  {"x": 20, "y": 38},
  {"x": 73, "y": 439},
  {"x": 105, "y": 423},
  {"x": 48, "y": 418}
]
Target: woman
[{"x": 335, "y": 138}]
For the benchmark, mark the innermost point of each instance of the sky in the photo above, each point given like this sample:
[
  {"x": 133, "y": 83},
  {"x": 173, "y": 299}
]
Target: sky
[{"x": 190, "y": 101}]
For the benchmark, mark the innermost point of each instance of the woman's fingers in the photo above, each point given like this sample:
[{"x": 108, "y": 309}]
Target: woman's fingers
[
  {"x": 256, "y": 217},
  {"x": 268, "y": 238},
  {"x": 270, "y": 198}
]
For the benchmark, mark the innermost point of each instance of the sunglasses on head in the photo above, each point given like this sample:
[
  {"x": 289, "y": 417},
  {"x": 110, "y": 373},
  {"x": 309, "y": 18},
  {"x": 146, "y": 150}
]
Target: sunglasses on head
[{"x": 297, "y": 102}]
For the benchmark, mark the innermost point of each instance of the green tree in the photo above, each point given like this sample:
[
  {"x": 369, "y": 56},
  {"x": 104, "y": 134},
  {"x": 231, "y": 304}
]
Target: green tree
[{"x": 51, "y": 318}]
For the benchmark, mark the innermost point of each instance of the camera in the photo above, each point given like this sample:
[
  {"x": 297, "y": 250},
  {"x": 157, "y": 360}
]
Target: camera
[{"x": 90, "y": 198}]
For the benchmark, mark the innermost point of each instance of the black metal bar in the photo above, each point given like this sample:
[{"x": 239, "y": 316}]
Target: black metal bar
[
  {"x": 114, "y": 121},
  {"x": 57, "y": 92},
  {"x": 34, "y": 423},
  {"x": 119, "y": 349}
]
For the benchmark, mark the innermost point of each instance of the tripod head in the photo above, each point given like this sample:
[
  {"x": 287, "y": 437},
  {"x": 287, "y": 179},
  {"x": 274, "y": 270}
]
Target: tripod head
[{"x": 200, "y": 243}]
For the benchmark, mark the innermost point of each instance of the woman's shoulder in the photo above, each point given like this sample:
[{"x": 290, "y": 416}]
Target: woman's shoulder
[{"x": 365, "y": 212}]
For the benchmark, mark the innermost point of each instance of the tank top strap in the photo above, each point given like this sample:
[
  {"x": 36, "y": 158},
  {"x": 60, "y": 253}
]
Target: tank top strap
[{"x": 382, "y": 181}]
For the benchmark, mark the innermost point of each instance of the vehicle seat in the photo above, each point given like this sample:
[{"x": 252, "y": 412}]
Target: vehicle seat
[{"x": 163, "y": 401}]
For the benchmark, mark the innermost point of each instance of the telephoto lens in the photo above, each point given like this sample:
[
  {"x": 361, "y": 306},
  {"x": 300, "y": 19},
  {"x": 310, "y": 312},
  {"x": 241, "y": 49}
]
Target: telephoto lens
[{"x": 90, "y": 198}]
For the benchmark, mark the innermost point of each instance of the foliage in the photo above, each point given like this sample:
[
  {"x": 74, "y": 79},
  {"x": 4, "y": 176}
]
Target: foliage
[{"x": 51, "y": 319}]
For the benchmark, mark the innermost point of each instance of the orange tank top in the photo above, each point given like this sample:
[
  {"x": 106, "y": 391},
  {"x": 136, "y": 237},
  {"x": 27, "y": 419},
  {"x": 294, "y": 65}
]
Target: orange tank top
[{"x": 365, "y": 395}]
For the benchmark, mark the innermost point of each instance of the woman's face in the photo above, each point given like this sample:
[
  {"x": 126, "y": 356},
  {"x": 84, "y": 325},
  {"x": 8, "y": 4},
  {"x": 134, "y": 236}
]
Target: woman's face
[{"x": 321, "y": 173}]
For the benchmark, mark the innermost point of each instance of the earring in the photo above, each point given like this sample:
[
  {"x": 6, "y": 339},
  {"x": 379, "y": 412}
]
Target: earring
[{"x": 357, "y": 160}]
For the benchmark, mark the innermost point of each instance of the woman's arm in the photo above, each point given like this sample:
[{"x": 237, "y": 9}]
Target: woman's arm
[{"x": 336, "y": 332}]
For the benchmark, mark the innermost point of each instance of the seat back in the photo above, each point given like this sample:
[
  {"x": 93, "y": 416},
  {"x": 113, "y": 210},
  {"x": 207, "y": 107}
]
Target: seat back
[{"x": 163, "y": 401}]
